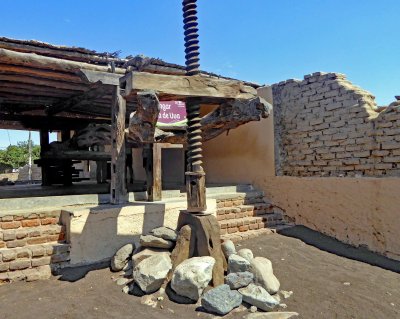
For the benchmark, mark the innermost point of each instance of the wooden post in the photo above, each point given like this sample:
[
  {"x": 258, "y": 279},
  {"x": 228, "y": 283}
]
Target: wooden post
[
  {"x": 152, "y": 165},
  {"x": 66, "y": 167},
  {"x": 44, "y": 147},
  {"x": 101, "y": 168},
  {"x": 118, "y": 186}
]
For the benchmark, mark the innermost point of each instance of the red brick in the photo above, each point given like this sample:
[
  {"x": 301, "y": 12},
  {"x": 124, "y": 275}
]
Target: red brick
[
  {"x": 220, "y": 217},
  {"x": 2, "y": 244},
  {"x": 37, "y": 240},
  {"x": 10, "y": 225},
  {"x": 243, "y": 228},
  {"x": 49, "y": 221},
  {"x": 30, "y": 223}
]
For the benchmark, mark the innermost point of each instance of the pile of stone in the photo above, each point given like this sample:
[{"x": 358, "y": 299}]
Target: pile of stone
[{"x": 250, "y": 280}]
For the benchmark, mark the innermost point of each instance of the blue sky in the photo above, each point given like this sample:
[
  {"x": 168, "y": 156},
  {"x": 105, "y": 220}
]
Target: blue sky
[{"x": 264, "y": 41}]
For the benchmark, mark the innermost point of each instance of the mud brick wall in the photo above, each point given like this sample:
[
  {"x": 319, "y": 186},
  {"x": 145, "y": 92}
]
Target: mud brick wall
[
  {"x": 326, "y": 126},
  {"x": 31, "y": 245}
]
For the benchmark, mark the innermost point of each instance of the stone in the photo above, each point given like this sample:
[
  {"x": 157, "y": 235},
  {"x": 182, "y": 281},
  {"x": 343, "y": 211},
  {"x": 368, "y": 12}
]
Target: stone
[
  {"x": 238, "y": 280},
  {"x": 120, "y": 259},
  {"x": 155, "y": 242},
  {"x": 286, "y": 294},
  {"x": 150, "y": 273},
  {"x": 122, "y": 281},
  {"x": 144, "y": 253},
  {"x": 246, "y": 254},
  {"x": 165, "y": 233},
  {"x": 237, "y": 264},
  {"x": 221, "y": 300},
  {"x": 192, "y": 276},
  {"x": 272, "y": 315},
  {"x": 228, "y": 248},
  {"x": 263, "y": 274},
  {"x": 253, "y": 309},
  {"x": 259, "y": 297}
]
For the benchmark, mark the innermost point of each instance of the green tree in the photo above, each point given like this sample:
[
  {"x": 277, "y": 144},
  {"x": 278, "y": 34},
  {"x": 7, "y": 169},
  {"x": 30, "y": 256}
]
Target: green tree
[{"x": 18, "y": 155}]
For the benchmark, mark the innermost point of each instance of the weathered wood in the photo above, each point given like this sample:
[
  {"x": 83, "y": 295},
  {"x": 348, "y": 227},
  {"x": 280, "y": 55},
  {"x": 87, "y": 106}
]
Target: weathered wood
[
  {"x": 44, "y": 147},
  {"x": 143, "y": 121},
  {"x": 152, "y": 166},
  {"x": 93, "y": 134},
  {"x": 96, "y": 91},
  {"x": 101, "y": 167},
  {"x": 118, "y": 187},
  {"x": 206, "y": 234},
  {"x": 77, "y": 155},
  {"x": 36, "y": 81},
  {"x": 227, "y": 116},
  {"x": 100, "y": 77},
  {"x": 49, "y": 63},
  {"x": 170, "y": 87}
]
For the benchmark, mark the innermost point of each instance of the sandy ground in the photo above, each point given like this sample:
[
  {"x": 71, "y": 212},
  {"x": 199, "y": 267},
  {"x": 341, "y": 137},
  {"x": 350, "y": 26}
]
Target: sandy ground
[{"x": 316, "y": 277}]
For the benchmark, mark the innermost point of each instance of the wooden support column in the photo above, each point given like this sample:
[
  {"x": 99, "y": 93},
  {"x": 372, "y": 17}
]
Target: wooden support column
[
  {"x": 44, "y": 147},
  {"x": 101, "y": 168},
  {"x": 152, "y": 165},
  {"x": 67, "y": 164},
  {"x": 118, "y": 186}
]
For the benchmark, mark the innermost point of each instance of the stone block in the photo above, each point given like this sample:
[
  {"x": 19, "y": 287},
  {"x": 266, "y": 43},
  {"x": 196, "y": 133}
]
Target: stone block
[{"x": 20, "y": 264}]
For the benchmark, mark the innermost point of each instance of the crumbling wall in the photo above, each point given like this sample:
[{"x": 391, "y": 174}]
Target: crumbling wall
[
  {"x": 326, "y": 126},
  {"x": 31, "y": 245}
]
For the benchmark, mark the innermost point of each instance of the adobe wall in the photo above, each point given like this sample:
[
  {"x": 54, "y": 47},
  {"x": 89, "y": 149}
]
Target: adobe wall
[
  {"x": 336, "y": 160},
  {"x": 326, "y": 126}
]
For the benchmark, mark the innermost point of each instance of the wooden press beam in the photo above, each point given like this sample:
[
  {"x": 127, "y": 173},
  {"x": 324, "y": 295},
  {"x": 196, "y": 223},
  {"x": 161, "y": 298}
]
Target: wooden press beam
[
  {"x": 91, "y": 76},
  {"x": 169, "y": 87},
  {"x": 118, "y": 183}
]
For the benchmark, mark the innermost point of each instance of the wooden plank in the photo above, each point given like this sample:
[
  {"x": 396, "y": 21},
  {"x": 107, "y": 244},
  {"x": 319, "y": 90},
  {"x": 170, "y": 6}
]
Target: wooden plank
[
  {"x": 77, "y": 155},
  {"x": 157, "y": 176},
  {"x": 49, "y": 63},
  {"x": 181, "y": 87},
  {"x": 118, "y": 182},
  {"x": 101, "y": 77}
]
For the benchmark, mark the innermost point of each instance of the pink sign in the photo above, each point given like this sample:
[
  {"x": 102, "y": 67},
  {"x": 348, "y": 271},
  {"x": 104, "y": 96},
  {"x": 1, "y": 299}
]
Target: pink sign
[{"x": 172, "y": 113}]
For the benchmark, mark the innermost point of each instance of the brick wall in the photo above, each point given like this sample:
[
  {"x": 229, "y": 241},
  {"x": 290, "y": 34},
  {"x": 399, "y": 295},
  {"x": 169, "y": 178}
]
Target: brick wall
[
  {"x": 326, "y": 126},
  {"x": 31, "y": 245}
]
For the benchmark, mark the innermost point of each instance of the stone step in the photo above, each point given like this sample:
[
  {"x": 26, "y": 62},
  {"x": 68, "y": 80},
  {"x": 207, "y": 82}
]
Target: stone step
[
  {"x": 240, "y": 211},
  {"x": 235, "y": 237},
  {"x": 250, "y": 223}
]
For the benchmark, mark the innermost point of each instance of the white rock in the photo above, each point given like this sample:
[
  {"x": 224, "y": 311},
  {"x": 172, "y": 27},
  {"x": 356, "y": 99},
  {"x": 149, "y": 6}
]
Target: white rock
[
  {"x": 272, "y": 315},
  {"x": 286, "y": 294},
  {"x": 237, "y": 264},
  {"x": 246, "y": 254},
  {"x": 263, "y": 274},
  {"x": 120, "y": 259},
  {"x": 146, "y": 253},
  {"x": 155, "y": 242},
  {"x": 150, "y": 273},
  {"x": 165, "y": 233},
  {"x": 259, "y": 297},
  {"x": 228, "y": 248},
  {"x": 192, "y": 276}
]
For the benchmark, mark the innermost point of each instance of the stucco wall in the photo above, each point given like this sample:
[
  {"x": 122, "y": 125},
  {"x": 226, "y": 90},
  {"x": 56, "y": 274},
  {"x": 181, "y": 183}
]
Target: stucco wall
[{"x": 245, "y": 155}]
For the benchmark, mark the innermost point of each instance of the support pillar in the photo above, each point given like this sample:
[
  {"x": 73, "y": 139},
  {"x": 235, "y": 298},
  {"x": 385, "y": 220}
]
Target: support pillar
[
  {"x": 44, "y": 147},
  {"x": 118, "y": 113},
  {"x": 152, "y": 165}
]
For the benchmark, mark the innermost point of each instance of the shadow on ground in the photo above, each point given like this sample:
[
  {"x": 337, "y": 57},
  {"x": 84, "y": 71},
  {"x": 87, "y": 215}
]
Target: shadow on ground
[{"x": 336, "y": 247}]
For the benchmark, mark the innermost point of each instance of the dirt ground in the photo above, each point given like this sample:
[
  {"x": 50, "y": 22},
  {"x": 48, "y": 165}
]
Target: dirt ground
[{"x": 324, "y": 284}]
